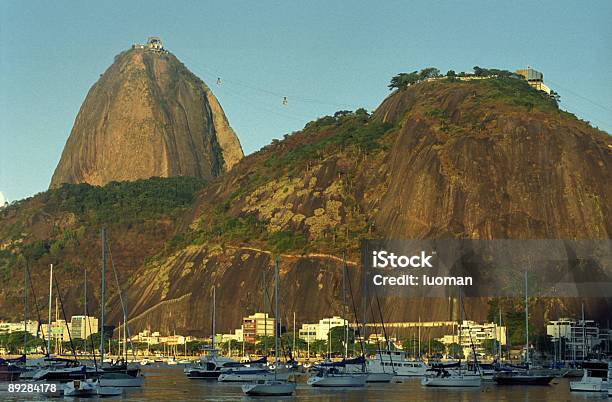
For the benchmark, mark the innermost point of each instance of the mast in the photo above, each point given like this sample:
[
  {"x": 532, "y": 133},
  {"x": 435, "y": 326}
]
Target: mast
[
  {"x": 526, "y": 322},
  {"x": 345, "y": 306},
  {"x": 265, "y": 306},
  {"x": 102, "y": 295},
  {"x": 125, "y": 316},
  {"x": 583, "y": 334},
  {"x": 85, "y": 311},
  {"x": 500, "y": 335},
  {"x": 275, "y": 315},
  {"x": 214, "y": 316},
  {"x": 460, "y": 329},
  {"x": 25, "y": 310},
  {"x": 50, "y": 301}
]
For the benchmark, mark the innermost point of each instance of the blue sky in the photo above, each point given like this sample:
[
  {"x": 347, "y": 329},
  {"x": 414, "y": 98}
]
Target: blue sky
[{"x": 323, "y": 55}]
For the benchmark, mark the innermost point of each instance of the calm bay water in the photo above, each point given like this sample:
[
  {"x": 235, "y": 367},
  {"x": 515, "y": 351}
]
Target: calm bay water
[{"x": 169, "y": 384}]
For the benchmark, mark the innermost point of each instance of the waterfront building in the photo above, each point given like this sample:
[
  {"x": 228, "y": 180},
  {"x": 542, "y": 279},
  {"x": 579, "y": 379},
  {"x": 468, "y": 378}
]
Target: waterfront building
[
  {"x": 475, "y": 333},
  {"x": 82, "y": 326},
  {"x": 10, "y": 327},
  {"x": 577, "y": 338},
  {"x": 319, "y": 331},
  {"x": 258, "y": 324}
]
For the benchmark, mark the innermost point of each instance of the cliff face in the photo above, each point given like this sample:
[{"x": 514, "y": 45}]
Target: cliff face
[
  {"x": 482, "y": 159},
  {"x": 147, "y": 115}
]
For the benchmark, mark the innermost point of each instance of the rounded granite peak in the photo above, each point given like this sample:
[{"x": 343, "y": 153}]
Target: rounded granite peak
[{"x": 147, "y": 115}]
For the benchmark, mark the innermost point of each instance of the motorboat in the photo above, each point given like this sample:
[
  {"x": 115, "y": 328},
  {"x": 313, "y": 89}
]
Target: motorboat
[
  {"x": 81, "y": 388},
  {"x": 594, "y": 378},
  {"x": 89, "y": 388},
  {"x": 59, "y": 369},
  {"x": 387, "y": 361},
  {"x": 210, "y": 366}
]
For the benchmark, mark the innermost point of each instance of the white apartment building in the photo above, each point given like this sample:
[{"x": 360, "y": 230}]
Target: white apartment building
[{"x": 320, "y": 330}]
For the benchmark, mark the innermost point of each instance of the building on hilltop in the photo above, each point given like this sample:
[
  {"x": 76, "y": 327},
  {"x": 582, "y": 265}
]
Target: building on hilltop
[
  {"x": 535, "y": 79},
  {"x": 154, "y": 44}
]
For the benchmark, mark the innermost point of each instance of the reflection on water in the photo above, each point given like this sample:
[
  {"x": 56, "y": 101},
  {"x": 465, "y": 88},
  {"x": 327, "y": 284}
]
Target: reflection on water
[{"x": 170, "y": 384}]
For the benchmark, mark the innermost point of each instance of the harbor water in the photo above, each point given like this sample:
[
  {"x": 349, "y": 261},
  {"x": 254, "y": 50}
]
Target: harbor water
[{"x": 164, "y": 383}]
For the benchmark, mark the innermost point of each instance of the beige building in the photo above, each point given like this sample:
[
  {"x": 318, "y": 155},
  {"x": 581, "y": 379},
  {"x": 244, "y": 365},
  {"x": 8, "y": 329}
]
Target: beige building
[
  {"x": 82, "y": 326},
  {"x": 534, "y": 78},
  {"x": 475, "y": 333},
  {"x": 258, "y": 324}
]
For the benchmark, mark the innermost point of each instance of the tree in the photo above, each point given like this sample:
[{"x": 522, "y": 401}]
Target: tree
[
  {"x": 436, "y": 347},
  {"x": 337, "y": 339},
  {"x": 411, "y": 347},
  {"x": 451, "y": 73},
  {"x": 403, "y": 80},
  {"x": 429, "y": 72},
  {"x": 490, "y": 346},
  {"x": 455, "y": 351},
  {"x": 481, "y": 72}
]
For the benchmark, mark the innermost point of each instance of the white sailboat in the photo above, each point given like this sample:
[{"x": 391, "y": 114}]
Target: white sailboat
[
  {"x": 452, "y": 375},
  {"x": 276, "y": 386},
  {"x": 346, "y": 373},
  {"x": 524, "y": 376}
]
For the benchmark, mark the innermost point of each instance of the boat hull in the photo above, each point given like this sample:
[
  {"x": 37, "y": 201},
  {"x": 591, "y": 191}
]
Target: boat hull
[
  {"x": 379, "y": 377},
  {"x": 269, "y": 389},
  {"x": 456, "y": 382},
  {"x": 338, "y": 381},
  {"x": 251, "y": 377},
  {"x": 125, "y": 381},
  {"x": 523, "y": 380},
  {"x": 202, "y": 375}
]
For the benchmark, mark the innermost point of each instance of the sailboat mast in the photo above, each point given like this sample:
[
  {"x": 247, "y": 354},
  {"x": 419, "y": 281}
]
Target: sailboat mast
[
  {"x": 25, "y": 310},
  {"x": 276, "y": 324},
  {"x": 50, "y": 302},
  {"x": 460, "y": 329},
  {"x": 526, "y": 321},
  {"x": 345, "y": 305},
  {"x": 500, "y": 336},
  {"x": 265, "y": 306},
  {"x": 102, "y": 296},
  {"x": 214, "y": 317},
  {"x": 85, "y": 311}
]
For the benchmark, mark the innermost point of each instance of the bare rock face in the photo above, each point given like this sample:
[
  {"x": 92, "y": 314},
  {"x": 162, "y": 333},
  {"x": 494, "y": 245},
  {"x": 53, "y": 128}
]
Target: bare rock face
[{"x": 147, "y": 115}]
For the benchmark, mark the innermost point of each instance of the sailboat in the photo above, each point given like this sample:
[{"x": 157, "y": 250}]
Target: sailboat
[
  {"x": 342, "y": 373},
  {"x": 119, "y": 374},
  {"x": 524, "y": 376},
  {"x": 55, "y": 368},
  {"x": 276, "y": 386},
  {"x": 211, "y": 365},
  {"x": 452, "y": 374}
]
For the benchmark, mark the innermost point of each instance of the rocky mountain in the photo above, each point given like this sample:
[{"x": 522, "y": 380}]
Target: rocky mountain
[
  {"x": 482, "y": 159},
  {"x": 147, "y": 115}
]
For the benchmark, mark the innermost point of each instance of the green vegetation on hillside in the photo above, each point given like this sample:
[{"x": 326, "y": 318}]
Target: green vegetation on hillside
[{"x": 122, "y": 204}]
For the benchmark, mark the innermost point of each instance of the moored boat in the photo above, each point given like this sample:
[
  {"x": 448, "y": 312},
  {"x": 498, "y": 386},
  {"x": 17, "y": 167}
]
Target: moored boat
[
  {"x": 269, "y": 388},
  {"x": 594, "y": 379}
]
